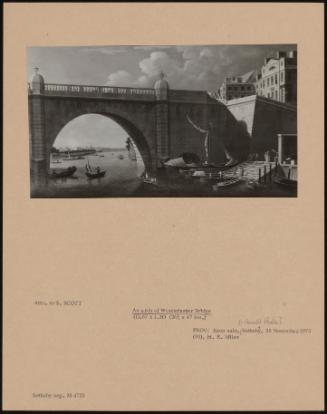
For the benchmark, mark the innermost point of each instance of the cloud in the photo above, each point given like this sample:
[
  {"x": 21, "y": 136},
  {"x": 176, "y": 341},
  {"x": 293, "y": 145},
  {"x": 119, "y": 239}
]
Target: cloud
[
  {"x": 120, "y": 78},
  {"x": 152, "y": 47},
  {"x": 206, "y": 52},
  {"x": 159, "y": 62},
  {"x": 189, "y": 52},
  {"x": 195, "y": 70},
  {"x": 104, "y": 50},
  {"x": 193, "y": 67}
]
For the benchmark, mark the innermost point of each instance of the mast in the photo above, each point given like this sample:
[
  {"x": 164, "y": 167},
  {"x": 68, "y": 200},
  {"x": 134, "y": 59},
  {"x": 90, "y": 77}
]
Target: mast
[{"x": 206, "y": 138}]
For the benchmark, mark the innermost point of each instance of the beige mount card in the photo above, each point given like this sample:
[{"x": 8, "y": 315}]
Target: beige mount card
[{"x": 120, "y": 302}]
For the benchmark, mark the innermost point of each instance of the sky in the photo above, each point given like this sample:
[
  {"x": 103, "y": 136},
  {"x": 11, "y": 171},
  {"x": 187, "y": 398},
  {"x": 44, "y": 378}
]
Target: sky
[
  {"x": 198, "y": 67},
  {"x": 91, "y": 130}
]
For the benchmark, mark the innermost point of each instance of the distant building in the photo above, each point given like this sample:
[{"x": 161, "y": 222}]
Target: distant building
[
  {"x": 277, "y": 78},
  {"x": 237, "y": 86}
]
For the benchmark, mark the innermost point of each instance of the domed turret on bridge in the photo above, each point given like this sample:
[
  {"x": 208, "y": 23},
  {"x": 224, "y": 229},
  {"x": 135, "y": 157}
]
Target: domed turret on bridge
[
  {"x": 161, "y": 87},
  {"x": 37, "y": 82}
]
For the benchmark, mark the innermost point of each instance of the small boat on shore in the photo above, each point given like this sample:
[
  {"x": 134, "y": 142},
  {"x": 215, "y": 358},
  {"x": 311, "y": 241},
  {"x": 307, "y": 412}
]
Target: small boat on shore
[
  {"x": 64, "y": 173},
  {"x": 226, "y": 182}
]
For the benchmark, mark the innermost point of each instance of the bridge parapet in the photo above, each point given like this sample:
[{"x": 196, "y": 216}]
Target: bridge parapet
[
  {"x": 116, "y": 92},
  {"x": 52, "y": 89}
]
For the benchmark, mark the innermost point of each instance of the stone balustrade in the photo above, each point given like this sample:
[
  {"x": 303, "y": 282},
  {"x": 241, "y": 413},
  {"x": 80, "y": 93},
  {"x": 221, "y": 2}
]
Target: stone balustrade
[
  {"x": 96, "y": 91},
  {"x": 147, "y": 94}
]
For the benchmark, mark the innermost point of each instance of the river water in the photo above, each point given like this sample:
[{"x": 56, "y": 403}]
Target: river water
[{"x": 123, "y": 179}]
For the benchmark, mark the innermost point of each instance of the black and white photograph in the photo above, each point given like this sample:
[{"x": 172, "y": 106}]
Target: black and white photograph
[
  {"x": 163, "y": 185},
  {"x": 163, "y": 121}
]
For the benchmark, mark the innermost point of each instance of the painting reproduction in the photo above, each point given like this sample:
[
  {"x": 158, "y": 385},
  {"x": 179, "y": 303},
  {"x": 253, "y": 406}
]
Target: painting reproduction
[{"x": 163, "y": 121}]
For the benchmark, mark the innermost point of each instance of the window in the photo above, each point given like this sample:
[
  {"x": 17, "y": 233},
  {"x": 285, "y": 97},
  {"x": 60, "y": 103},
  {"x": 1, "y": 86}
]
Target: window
[
  {"x": 281, "y": 77},
  {"x": 242, "y": 88},
  {"x": 276, "y": 79},
  {"x": 267, "y": 81},
  {"x": 248, "y": 88},
  {"x": 272, "y": 80},
  {"x": 263, "y": 83},
  {"x": 276, "y": 95}
]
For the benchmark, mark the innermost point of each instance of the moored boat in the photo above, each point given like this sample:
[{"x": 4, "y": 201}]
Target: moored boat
[
  {"x": 93, "y": 172},
  {"x": 226, "y": 182},
  {"x": 64, "y": 173}
]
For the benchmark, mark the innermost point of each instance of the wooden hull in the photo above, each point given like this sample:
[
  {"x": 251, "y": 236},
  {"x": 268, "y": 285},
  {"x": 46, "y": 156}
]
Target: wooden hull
[
  {"x": 68, "y": 172},
  {"x": 95, "y": 175},
  {"x": 226, "y": 183}
]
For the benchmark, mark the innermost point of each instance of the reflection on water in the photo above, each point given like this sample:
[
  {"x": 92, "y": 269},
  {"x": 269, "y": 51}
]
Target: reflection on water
[{"x": 123, "y": 178}]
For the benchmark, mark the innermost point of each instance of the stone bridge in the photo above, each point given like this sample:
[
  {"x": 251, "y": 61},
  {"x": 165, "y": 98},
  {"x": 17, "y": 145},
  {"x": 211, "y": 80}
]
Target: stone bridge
[{"x": 157, "y": 119}]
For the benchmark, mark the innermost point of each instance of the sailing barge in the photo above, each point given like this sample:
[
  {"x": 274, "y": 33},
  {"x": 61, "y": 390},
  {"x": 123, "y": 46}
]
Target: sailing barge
[{"x": 92, "y": 172}]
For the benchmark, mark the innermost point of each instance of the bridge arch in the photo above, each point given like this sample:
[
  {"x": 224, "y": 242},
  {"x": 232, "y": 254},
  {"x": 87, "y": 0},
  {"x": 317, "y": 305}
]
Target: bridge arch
[
  {"x": 155, "y": 119},
  {"x": 138, "y": 138}
]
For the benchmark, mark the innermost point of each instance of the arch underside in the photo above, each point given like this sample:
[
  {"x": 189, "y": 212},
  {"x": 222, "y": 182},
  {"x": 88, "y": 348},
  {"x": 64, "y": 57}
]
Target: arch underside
[{"x": 58, "y": 119}]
